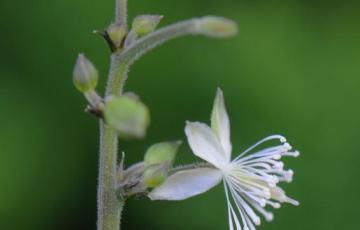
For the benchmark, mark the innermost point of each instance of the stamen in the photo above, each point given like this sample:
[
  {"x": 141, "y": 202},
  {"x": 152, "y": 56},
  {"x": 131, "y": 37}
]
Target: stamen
[
  {"x": 258, "y": 165},
  {"x": 232, "y": 215},
  {"x": 278, "y": 165},
  {"x": 252, "y": 183},
  {"x": 241, "y": 204},
  {"x": 289, "y": 175},
  {"x": 281, "y": 138},
  {"x": 273, "y": 204},
  {"x": 259, "y": 200},
  {"x": 271, "y": 152},
  {"x": 291, "y": 154},
  {"x": 268, "y": 215},
  {"x": 292, "y": 201},
  {"x": 258, "y": 188},
  {"x": 287, "y": 146}
]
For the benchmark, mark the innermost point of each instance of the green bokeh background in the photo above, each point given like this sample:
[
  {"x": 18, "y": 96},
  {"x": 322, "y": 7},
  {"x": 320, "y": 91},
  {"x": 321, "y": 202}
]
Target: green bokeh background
[{"x": 293, "y": 70}]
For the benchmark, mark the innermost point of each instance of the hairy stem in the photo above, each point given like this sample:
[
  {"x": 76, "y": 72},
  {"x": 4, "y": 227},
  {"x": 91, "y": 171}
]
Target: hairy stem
[
  {"x": 121, "y": 11},
  {"x": 143, "y": 45},
  {"x": 109, "y": 206},
  {"x": 117, "y": 75}
]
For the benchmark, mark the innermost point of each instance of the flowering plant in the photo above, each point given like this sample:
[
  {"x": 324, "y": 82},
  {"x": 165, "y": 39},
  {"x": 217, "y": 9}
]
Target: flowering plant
[{"x": 250, "y": 180}]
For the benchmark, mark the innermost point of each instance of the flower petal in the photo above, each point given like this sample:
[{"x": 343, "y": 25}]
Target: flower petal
[
  {"x": 220, "y": 123},
  {"x": 205, "y": 145},
  {"x": 187, "y": 183}
]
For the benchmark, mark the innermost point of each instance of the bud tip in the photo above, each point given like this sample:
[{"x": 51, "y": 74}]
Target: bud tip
[
  {"x": 85, "y": 75},
  {"x": 145, "y": 24},
  {"x": 217, "y": 27}
]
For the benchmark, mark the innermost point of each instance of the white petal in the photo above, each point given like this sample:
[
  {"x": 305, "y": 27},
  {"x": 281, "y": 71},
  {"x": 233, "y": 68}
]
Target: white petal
[
  {"x": 220, "y": 122},
  {"x": 205, "y": 145},
  {"x": 187, "y": 183}
]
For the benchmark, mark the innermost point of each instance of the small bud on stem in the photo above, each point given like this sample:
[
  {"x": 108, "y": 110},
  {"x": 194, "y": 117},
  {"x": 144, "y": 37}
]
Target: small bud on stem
[
  {"x": 158, "y": 160},
  {"x": 161, "y": 152},
  {"x": 129, "y": 117},
  {"x": 85, "y": 76},
  {"x": 117, "y": 32},
  {"x": 155, "y": 175},
  {"x": 217, "y": 27},
  {"x": 145, "y": 24}
]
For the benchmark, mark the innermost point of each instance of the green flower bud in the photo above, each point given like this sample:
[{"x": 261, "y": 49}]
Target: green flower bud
[
  {"x": 161, "y": 152},
  {"x": 158, "y": 159},
  {"x": 117, "y": 33},
  {"x": 128, "y": 116},
  {"x": 85, "y": 76},
  {"x": 217, "y": 27},
  {"x": 145, "y": 24},
  {"x": 156, "y": 175}
]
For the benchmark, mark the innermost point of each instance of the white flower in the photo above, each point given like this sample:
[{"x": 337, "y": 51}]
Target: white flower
[{"x": 250, "y": 180}]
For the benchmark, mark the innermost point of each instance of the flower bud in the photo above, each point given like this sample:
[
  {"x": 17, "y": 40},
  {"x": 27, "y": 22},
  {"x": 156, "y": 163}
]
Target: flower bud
[
  {"x": 161, "y": 152},
  {"x": 85, "y": 76},
  {"x": 145, "y": 24},
  {"x": 217, "y": 27},
  {"x": 155, "y": 175},
  {"x": 129, "y": 117},
  {"x": 117, "y": 33},
  {"x": 158, "y": 159}
]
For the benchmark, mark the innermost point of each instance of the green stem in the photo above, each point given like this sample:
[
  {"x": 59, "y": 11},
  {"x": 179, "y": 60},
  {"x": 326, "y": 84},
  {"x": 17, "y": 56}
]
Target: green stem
[
  {"x": 109, "y": 204},
  {"x": 121, "y": 11},
  {"x": 150, "y": 41},
  {"x": 117, "y": 75}
]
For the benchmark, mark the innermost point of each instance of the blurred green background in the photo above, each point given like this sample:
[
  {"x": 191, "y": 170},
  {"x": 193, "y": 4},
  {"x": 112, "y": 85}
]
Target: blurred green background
[{"x": 293, "y": 70}]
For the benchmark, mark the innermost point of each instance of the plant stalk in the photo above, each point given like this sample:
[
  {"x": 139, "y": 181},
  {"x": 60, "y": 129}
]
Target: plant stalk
[
  {"x": 109, "y": 204},
  {"x": 121, "y": 11}
]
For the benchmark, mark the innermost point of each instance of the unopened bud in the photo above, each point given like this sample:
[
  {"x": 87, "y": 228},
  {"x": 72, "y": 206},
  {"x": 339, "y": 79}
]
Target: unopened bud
[
  {"x": 158, "y": 160},
  {"x": 217, "y": 27},
  {"x": 161, "y": 152},
  {"x": 85, "y": 76},
  {"x": 117, "y": 33},
  {"x": 145, "y": 24},
  {"x": 129, "y": 117},
  {"x": 155, "y": 175}
]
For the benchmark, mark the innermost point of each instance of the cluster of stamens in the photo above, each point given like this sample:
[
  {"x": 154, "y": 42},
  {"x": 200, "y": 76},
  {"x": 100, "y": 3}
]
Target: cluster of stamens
[{"x": 252, "y": 180}]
